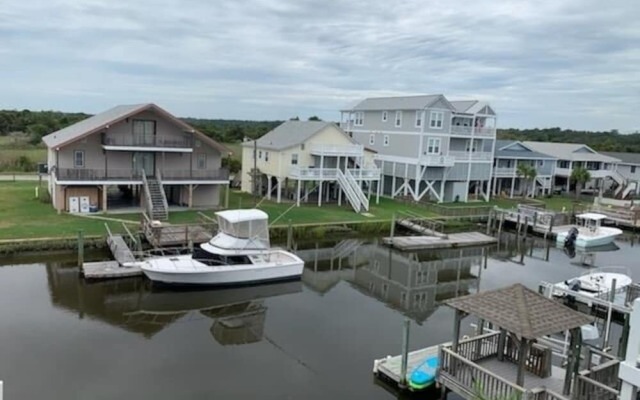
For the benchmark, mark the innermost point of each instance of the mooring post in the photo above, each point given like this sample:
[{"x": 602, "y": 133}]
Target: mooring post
[
  {"x": 80, "y": 248},
  {"x": 518, "y": 225},
  {"x": 405, "y": 353},
  {"x": 289, "y": 235},
  {"x": 489, "y": 221},
  {"x": 393, "y": 225},
  {"x": 500, "y": 225},
  {"x": 612, "y": 297}
]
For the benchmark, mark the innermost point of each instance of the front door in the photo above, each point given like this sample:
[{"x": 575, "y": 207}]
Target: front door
[{"x": 144, "y": 161}]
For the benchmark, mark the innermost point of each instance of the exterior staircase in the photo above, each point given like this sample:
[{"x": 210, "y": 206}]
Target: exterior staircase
[
  {"x": 157, "y": 206},
  {"x": 353, "y": 192},
  {"x": 625, "y": 186}
]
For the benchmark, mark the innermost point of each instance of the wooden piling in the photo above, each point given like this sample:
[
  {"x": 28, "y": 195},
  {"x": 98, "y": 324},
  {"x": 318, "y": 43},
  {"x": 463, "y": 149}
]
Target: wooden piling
[
  {"x": 393, "y": 225},
  {"x": 289, "y": 235},
  {"x": 405, "y": 353},
  {"x": 607, "y": 332},
  {"x": 490, "y": 221},
  {"x": 518, "y": 225},
  {"x": 80, "y": 249}
]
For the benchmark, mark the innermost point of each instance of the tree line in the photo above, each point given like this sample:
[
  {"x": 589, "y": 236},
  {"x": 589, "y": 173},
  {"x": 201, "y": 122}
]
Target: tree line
[{"x": 39, "y": 123}]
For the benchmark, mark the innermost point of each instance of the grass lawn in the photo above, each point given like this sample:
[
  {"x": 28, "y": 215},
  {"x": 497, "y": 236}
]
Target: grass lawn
[
  {"x": 24, "y": 216},
  {"x": 236, "y": 148}
]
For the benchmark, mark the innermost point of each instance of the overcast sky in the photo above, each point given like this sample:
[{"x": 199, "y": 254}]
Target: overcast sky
[{"x": 542, "y": 63}]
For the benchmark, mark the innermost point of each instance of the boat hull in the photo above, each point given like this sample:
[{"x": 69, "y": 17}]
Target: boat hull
[
  {"x": 607, "y": 236},
  {"x": 225, "y": 275}
]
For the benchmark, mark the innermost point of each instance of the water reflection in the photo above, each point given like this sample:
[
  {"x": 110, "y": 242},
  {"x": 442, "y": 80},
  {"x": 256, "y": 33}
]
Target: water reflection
[
  {"x": 413, "y": 283},
  {"x": 238, "y": 314}
]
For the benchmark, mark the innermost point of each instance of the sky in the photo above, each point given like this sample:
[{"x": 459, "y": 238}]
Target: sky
[{"x": 545, "y": 63}]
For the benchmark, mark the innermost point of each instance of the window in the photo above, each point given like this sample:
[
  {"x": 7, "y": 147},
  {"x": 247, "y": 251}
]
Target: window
[
  {"x": 359, "y": 118},
  {"x": 266, "y": 156},
  {"x": 201, "y": 161},
  {"x": 385, "y": 140},
  {"x": 563, "y": 164},
  {"x": 433, "y": 146},
  {"x": 593, "y": 165},
  {"x": 418, "y": 119},
  {"x": 540, "y": 163},
  {"x": 78, "y": 159},
  {"x": 294, "y": 159},
  {"x": 385, "y": 116},
  {"x": 372, "y": 139},
  {"x": 260, "y": 154},
  {"x": 435, "y": 119},
  {"x": 398, "y": 119},
  {"x": 143, "y": 131},
  {"x": 471, "y": 148},
  {"x": 198, "y": 143},
  {"x": 633, "y": 169},
  {"x": 302, "y": 146}
]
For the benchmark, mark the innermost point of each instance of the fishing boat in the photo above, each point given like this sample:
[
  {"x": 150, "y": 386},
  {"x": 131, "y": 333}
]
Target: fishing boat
[
  {"x": 589, "y": 232},
  {"x": 239, "y": 254},
  {"x": 597, "y": 284}
]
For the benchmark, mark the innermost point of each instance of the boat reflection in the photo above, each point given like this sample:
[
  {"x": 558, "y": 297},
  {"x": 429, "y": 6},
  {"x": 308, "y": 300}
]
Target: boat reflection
[{"x": 238, "y": 314}]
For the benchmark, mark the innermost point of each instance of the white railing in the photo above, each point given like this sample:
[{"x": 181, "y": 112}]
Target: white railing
[
  {"x": 147, "y": 193},
  {"x": 364, "y": 201},
  {"x": 312, "y": 173},
  {"x": 365, "y": 173},
  {"x": 466, "y": 155},
  {"x": 461, "y": 130},
  {"x": 165, "y": 204},
  {"x": 437, "y": 160},
  {"x": 331, "y": 149},
  {"x": 478, "y": 131},
  {"x": 504, "y": 171},
  {"x": 348, "y": 191}
]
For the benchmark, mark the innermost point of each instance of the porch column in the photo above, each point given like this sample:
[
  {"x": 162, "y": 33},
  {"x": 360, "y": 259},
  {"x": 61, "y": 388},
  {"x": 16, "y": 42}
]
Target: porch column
[
  {"x": 298, "y": 194},
  {"x": 190, "y": 202},
  {"x": 378, "y": 189},
  {"x": 522, "y": 358},
  {"x": 269, "y": 188},
  {"x": 320, "y": 180},
  {"x": 513, "y": 184},
  {"x": 405, "y": 183},
  {"x": 226, "y": 195},
  {"x": 306, "y": 191},
  {"x": 569, "y": 176},
  {"x": 393, "y": 181},
  {"x": 573, "y": 360},
  {"x": 339, "y": 196},
  {"x": 368, "y": 190},
  {"x": 381, "y": 181},
  {"x": 456, "y": 330},
  {"x": 104, "y": 198},
  {"x": 279, "y": 180}
]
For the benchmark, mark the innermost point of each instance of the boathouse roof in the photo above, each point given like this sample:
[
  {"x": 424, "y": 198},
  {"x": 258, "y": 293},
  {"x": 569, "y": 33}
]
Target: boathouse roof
[{"x": 521, "y": 311}]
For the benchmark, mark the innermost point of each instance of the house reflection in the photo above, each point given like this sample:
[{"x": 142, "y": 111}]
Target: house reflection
[
  {"x": 238, "y": 314},
  {"x": 413, "y": 283}
]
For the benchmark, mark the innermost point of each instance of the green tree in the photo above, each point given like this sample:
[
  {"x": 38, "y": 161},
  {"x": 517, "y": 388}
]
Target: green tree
[
  {"x": 314, "y": 118},
  {"x": 580, "y": 176},
  {"x": 529, "y": 173}
]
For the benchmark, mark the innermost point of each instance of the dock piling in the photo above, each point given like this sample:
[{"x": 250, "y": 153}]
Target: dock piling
[
  {"x": 405, "y": 352},
  {"x": 80, "y": 248},
  {"x": 289, "y": 235},
  {"x": 607, "y": 331},
  {"x": 393, "y": 225}
]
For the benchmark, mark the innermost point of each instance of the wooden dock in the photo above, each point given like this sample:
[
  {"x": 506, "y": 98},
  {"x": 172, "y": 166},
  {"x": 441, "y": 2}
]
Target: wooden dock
[
  {"x": 124, "y": 265},
  {"x": 455, "y": 240},
  {"x": 168, "y": 235},
  {"x": 390, "y": 367}
]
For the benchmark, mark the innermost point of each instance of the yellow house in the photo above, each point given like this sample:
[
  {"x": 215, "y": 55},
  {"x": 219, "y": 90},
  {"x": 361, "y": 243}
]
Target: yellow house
[{"x": 305, "y": 160}]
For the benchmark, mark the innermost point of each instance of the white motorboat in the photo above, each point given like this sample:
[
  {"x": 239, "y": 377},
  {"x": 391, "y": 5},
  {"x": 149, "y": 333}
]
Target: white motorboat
[
  {"x": 595, "y": 284},
  {"x": 239, "y": 254},
  {"x": 589, "y": 232}
]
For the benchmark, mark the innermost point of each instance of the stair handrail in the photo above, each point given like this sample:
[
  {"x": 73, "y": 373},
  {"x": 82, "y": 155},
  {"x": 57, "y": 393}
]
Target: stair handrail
[
  {"x": 348, "y": 190},
  {"x": 165, "y": 203},
  {"x": 358, "y": 190},
  {"x": 147, "y": 193}
]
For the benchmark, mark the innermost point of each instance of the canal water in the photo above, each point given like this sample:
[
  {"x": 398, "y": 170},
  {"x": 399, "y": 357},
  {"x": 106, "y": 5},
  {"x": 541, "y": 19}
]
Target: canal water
[{"x": 63, "y": 338}]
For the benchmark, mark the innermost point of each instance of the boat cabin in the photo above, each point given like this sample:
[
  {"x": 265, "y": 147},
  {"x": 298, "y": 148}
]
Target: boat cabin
[
  {"x": 591, "y": 221},
  {"x": 240, "y": 230}
]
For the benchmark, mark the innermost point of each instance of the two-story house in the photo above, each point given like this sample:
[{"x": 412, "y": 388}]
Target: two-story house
[
  {"x": 310, "y": 159},
  {"x": 428, "y": 147},
  {"x": 572, "y": 155},
  {"x": 134, "y": 155},
  {"x": 629, "y": 168},
  {"x": 508, "y": 179}
]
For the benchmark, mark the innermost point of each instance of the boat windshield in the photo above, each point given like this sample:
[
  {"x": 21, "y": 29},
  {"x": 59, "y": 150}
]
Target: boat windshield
[{"x": 251, "y": 229}]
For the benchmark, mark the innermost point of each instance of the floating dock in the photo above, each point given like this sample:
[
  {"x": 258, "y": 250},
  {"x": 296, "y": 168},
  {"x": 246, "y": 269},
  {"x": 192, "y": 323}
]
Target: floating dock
[
  {"x": 455, "y": 240},
  {"x": 123, "y": 266},
  {"x": 390, "y": 367}
]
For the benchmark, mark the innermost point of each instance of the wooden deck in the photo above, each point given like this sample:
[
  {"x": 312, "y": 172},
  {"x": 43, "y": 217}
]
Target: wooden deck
[
  {"x": 509, "y": 371},
  {"x": 167, "y": 235},
  {"x": 108, "y": 270},
  {"x": 455, "y": 240},
  {"x": 390, "y": 367}
]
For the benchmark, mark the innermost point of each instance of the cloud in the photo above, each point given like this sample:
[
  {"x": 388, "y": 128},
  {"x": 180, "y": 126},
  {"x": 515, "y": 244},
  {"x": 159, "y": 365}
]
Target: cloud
[{"x": 569, "y": 63}]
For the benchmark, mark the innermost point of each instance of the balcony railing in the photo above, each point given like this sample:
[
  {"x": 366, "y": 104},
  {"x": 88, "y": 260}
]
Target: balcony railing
[
  {"x": 467, "y": 155},
  {"x": 434, "y": 160},
  {"x": 461, "y": 130},
  {"x": 151, "y": 141},
  {"x": 468, "y": 130},
  {"x": 365, "y": 173},
  {"x": 504, "y": 171},
  {"x": 85, "y": 174},
  {"x": 484, "y": 131},
  {"x": 313, "y": 173},
  {"x": 334, "y": 150}
]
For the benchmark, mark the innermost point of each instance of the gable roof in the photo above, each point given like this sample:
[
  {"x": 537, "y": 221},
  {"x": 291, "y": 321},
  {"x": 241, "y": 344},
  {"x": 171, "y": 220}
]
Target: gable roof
[
  {"x": 399, "y": 103},
  {"x": 103, "y": 120},
  {"x": 569, "y": 151},
  {"x": 471, "y": 107},
  {"x": 292, "y": 133},
  {"x": 626, "y": 158},
  {"x": 521, "y": 311},
  {"x": 504, "y": 150}
]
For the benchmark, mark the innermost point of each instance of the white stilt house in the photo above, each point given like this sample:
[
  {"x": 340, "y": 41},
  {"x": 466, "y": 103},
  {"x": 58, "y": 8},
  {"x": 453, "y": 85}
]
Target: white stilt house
[{"x": 306, "y": 161}]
